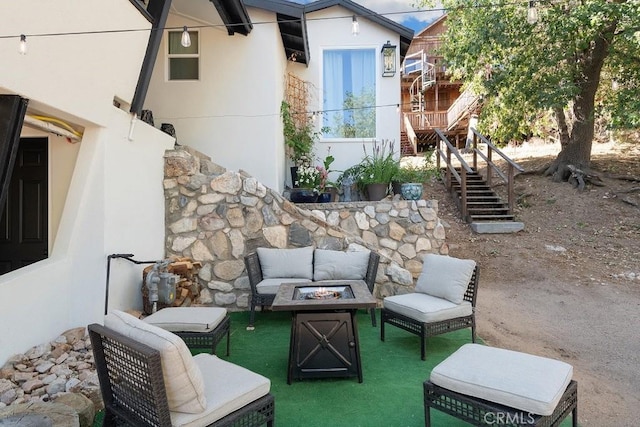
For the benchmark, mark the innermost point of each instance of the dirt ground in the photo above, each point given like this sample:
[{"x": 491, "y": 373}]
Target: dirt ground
[{"x": 568, "y": 285}]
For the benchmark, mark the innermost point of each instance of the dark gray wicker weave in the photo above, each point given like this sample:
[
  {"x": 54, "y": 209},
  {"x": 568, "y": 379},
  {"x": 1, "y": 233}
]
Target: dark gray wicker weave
[
  {"x": 133, "y": 390},
  {"x": 424, "y": 330},
  {"x": 208, "y": 340},
  {"x": 254, "y": 271},
  {"x": 482, "y": 412}
]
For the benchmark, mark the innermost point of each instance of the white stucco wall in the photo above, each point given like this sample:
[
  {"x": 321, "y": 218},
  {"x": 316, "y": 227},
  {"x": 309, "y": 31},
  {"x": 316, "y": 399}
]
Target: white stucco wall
[
  {"x": 113, "y": 200},
  {"x": 331, "y": 28},
  {"x": 232, "y": 112}
]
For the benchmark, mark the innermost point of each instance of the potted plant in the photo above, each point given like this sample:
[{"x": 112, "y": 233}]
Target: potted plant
[
  {"x": 378, "y": 169},
  {"x": 411, "y": 177}
]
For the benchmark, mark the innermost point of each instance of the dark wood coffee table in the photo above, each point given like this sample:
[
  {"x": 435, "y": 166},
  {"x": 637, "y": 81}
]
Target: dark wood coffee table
[{"x": 324, "y": 334}]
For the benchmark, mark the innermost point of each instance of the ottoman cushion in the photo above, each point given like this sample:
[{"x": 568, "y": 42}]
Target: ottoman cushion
[
  {"x": 518, "y": 380},
  {"x": 187, "y": 319}
]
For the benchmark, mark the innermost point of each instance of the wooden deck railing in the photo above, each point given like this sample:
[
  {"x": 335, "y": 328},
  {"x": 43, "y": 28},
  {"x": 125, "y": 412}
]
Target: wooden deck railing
[
  {"x": 447, "y": 152},
  {"x": 427, "y": 119}
]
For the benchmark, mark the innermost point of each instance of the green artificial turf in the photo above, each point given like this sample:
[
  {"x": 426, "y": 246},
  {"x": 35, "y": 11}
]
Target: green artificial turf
[{"x": 391, "y": 394}]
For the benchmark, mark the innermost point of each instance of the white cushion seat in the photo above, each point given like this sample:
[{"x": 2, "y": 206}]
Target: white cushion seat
[
  {"x": 518, "y": 380},
  {"x": 227, "y": 388},
  {"x": 188, "y": 319},
  {"x": 426, "y": 308}
]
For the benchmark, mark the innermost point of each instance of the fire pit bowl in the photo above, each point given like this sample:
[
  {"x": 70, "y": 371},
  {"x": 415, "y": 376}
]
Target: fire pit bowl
[{"x": 323, "y": 293}]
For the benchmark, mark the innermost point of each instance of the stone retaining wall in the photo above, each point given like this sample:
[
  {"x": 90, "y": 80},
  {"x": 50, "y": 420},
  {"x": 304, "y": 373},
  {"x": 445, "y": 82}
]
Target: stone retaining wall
[{"x": 217, "y": 216}]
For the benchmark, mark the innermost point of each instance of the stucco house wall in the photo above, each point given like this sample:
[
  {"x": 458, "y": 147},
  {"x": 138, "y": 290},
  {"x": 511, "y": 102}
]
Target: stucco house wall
[
  {"x": 106, "y": 190},
  {"x": 232, "y": 112},
  {"x": 331, "y": 28}
]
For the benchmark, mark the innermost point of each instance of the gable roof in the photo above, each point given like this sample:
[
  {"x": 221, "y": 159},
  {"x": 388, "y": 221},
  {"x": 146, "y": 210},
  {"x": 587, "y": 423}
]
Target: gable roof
[
  {"x": 293, "y": 26},
  {"x": 234, "y": 15}
]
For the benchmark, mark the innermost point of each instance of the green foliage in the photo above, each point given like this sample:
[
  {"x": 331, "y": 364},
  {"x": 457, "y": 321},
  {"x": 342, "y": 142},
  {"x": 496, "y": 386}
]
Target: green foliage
[
  {"x": 418, "y": 172},
  {"x": 357, "y": 119},
  {"x": 380, "y": 166},
  {"x": 299, "y": 139},
  {"x": 524, "y": 71}
]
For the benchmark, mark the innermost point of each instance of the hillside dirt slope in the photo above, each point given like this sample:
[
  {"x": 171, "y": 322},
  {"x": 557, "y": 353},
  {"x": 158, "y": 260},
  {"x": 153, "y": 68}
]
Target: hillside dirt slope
[{"x": 568, "y": 285}]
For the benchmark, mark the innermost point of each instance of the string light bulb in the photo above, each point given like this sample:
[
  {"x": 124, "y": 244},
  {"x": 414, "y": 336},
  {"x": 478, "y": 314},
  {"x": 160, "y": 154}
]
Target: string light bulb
[
  {"x": 397, "y": 108},
  {"x": 355, "y": 26},
  {"x": 22, "y": 46},
  {"x": 314, "y": 116},
  {"x": 532, "y": 13},
  {"x": 185, "y": 41}
]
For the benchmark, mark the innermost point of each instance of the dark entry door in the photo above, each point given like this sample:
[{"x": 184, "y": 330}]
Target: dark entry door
[{"x": 24, "y": 223}]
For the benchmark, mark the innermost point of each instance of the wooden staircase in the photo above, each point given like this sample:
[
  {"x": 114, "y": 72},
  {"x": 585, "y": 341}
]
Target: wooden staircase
[
  {"x": 473, "y": 192},
  {"x": 483, "y": 204}
]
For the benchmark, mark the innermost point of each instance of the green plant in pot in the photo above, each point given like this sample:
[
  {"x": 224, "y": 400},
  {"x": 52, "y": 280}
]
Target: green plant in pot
[
  {"x": 412, "y": 175},
  {"x": 378, "y": 169}
]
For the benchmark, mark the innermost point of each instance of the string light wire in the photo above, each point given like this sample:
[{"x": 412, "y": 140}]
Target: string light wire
[{"x": 257, "y": 23}]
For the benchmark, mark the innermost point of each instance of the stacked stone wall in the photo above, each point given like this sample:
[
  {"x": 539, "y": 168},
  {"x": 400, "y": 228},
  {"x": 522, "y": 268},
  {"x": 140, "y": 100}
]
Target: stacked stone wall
[{"x": 217, "y": 216}]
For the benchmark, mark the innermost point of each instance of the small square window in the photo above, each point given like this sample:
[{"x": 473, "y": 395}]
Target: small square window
[{"x": 183, "y": 62}]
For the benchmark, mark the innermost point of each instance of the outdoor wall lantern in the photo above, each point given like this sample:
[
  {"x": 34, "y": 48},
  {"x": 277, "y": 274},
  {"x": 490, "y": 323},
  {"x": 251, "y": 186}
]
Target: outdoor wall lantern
[{"x": 388, "y": 59}]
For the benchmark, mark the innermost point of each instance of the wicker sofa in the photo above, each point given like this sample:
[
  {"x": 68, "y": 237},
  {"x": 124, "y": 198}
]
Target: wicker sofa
[{"x": 269, "y": 267}]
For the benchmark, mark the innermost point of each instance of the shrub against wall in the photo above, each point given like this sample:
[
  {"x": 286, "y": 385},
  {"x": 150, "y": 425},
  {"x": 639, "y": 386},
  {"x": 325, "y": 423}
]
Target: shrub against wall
[{"x": 217, "y": 216}]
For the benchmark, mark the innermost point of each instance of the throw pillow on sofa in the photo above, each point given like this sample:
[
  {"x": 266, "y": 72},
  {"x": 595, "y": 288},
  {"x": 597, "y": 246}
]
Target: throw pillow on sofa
[
  {"x": 292, "y": 263},
  {"x": 339, "y": 265},
  {"x": 445, "y": 277}
]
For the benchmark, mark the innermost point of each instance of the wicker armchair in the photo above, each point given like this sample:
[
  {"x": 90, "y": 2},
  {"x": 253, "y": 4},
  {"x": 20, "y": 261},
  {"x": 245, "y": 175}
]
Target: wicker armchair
[
  {"x": 134, "y": 393},
  {"x": 426, "y": 315},
  {"x": 254, "y": 271}
]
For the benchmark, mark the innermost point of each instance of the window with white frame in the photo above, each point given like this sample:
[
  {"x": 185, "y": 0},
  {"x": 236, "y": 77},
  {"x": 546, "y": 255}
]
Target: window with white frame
[
  {"x": 349, "y": 95},
  {"x": 183, "y": 62}
]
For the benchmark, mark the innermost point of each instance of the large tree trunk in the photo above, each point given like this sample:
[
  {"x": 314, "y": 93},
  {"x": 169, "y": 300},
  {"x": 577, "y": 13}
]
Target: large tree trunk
[{"x": 577, "y": 151}]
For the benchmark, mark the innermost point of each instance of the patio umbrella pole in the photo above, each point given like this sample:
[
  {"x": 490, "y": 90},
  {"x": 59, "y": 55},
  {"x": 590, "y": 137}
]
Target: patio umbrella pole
[{"x": 128, "y": 257}]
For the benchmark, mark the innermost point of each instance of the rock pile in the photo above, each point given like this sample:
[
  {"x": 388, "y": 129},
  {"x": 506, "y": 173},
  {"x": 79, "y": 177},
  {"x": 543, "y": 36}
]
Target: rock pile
[{"x": 51, "y": 370}]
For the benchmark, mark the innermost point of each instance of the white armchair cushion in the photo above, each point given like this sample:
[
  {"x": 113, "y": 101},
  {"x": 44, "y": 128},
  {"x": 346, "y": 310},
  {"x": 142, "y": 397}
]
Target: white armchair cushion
[
  {"x": 182, "y": 377},
  {"x": 445, "y": 277},
  {"x": 292, "y": 263},
  {"x": 228, "y": 387},
  {"x": 339, "y": 265},
  {"x": 426, "y": 308},
  {"x": 523, "y": 381},
  {"x": 187, "y": 319}
]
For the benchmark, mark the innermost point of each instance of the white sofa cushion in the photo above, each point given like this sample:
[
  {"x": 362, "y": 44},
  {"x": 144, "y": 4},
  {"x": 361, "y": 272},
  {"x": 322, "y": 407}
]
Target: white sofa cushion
[
  {"x": 182, "y": 377},
  {"x": 426, "y": 308},
  {"x": 445, "y": 277},
  {"x": 523, "y": 381},
  {"x": 270, "y": 286},
  {"x": 292, "y": 263},
  {"x": 228, "y": 387},
  {"x": 339, "y": 265},
  {"x": 187, "y": 319}
]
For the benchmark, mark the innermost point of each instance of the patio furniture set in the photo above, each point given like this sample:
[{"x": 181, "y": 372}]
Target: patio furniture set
[{"x": 149, "y": 378}]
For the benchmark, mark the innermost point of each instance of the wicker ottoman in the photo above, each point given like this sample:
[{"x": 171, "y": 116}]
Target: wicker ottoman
[
  {"x": 199, "y": 327},
  {"x": 492, "y": 386}
]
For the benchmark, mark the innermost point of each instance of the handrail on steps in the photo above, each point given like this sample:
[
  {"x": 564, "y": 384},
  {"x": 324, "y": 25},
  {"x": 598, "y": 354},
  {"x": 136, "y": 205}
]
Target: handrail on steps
[
  {"x": 451, "y": 172},
  {"x": 411, "y": 134}
]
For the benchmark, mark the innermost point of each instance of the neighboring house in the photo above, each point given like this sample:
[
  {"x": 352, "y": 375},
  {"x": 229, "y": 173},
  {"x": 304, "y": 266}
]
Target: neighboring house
[
  {"x": 223, "y": 94},
  {"x": 430, "y": 99},
  {"x": 96, "y": 193}
]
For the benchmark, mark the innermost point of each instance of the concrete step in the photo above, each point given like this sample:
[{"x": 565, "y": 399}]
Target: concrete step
[{"x": 496, "y": 227}]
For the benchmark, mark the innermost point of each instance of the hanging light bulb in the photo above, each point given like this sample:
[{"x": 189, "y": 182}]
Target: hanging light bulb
[
  {"x": 185, "y": 41},
  {"x": 397, "y": 108},
  {"x": 22, "y": 47},
  {"x": 532, "y": 13},
  {"x": 355, "y": 27},
  {"x": 314, "y": 116}
]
